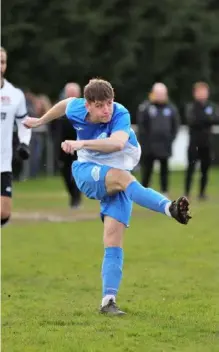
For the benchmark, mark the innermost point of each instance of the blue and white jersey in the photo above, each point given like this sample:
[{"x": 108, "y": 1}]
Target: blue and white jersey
[{"x": 125, "y": 159}]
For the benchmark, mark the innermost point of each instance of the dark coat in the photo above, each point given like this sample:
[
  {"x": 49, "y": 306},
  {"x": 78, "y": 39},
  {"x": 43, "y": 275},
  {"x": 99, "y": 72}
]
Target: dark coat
[
  {"x": 200, "y": 117},
  {"x": 157, "y": 127}
]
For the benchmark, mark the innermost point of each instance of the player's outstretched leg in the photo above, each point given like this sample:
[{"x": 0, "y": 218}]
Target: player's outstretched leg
[
  {"x": 118, "y": 180},
  {"x": 112, "y": 265}
]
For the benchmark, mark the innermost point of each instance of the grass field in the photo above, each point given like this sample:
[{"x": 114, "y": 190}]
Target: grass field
[{"x": 51, "y": 287}]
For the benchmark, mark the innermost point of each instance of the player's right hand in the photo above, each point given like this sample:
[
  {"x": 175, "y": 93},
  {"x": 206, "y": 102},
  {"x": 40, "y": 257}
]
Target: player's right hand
[
  {"x": 31, "y": 122},
  {"x": 70, "y": 147}
]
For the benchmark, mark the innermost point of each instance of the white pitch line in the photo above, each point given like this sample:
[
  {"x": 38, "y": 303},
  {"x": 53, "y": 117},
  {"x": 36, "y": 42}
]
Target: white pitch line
[{"x": 39, "y": 217}]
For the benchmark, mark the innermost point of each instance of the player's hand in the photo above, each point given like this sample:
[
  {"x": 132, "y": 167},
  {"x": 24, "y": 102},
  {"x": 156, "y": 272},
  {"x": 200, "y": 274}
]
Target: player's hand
[
  {"x": 23, "y": 151},
  {"x": 31, "y": 122},
  {"x": 70, "y": 147}
]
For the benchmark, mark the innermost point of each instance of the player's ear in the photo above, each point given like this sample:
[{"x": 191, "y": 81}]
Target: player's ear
[{"x": 87, "y": 104}]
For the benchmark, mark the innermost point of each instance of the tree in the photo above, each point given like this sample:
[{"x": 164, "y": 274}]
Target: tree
[{"x": 131, "y": 43}]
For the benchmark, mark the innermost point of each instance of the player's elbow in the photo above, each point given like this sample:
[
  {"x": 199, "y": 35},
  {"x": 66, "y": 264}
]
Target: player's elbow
[
  {"x": 120, "y": 145},
  {"x": 117, "y": 144}
]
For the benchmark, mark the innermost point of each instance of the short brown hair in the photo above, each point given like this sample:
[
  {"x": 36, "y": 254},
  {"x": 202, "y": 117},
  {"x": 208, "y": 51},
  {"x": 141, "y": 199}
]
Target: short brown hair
[
  {"x": 98, "y": 90},
  {"x": 200, "y": 84}
]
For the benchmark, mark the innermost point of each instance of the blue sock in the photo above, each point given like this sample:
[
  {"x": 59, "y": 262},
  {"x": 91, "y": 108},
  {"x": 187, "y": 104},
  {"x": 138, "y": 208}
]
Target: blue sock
[
  {"x": 146, "y": 197},
  {"x": 112, "y": 270}
]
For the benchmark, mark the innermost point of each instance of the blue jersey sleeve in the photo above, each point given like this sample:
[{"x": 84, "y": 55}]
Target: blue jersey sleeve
[
  {"x": 70, "y": 108},
  {"x": 121, "y": 122}
]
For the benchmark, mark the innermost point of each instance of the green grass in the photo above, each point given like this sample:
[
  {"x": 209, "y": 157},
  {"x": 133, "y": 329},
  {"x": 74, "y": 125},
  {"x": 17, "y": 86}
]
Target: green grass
[{"x": 51, "y": 283}]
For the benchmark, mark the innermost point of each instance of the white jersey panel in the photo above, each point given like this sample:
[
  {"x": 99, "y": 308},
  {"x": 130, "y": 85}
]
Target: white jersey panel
[
  {"x": 13, "y": 105},
  {"x": 125, "y": 159}
]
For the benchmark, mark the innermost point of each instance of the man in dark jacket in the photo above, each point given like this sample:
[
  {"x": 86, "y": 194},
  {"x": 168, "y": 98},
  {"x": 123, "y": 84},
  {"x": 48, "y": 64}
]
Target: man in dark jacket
[
  {"x": 158, "y": 122},
  {"x": 201, "y": 114},
  {"x": 66, "y": 132}
]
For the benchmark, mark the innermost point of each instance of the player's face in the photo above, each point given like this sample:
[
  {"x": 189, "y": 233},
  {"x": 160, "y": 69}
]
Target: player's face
[
  {"x": 3, "y": 62},
  {"x": 100, "y": 111}
]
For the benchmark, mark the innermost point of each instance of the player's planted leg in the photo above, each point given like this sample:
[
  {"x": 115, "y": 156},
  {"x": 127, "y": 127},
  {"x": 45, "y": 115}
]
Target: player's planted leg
[
  {"x": 119, "y": 180},
  {"x": 5, "y": 210},
  {"x": 112, "y": 265}
]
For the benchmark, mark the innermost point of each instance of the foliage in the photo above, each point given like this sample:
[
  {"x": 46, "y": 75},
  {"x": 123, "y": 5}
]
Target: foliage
[{"x": 131, "y": 43}]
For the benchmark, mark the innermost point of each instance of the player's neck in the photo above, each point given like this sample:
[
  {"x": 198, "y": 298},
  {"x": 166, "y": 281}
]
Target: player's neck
[
  {"x": 91, "y": 119},
  {"x": 2, "y": 82}
]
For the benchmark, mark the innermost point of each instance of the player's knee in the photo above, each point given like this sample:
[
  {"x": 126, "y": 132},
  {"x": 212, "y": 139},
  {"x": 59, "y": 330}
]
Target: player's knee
[
  {"x": 119, "y": 179},
  {"x": 5, "y": 207},
  {"x": 4, "y": 221},
  {"x": 5, "y": 210},
  {"x": 113, "y": 232},
  {"x": 124, "y": 178},
  {"x": 5, "y": 213},
  {"x": 112, "y": 238}
]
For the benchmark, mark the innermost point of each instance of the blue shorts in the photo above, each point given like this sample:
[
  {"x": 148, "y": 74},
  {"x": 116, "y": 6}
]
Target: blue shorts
[{"x": 90, "y": 179}]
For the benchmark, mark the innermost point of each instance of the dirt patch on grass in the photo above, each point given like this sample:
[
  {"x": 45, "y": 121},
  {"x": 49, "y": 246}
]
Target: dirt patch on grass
[
  {"x": 40, "y": 216},
  {"x": 40, "y": 195},
  {"x": 61, "y": 216}
]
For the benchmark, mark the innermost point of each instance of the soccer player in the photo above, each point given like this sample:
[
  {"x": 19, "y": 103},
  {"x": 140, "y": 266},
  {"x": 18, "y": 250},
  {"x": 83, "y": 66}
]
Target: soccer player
[
  {"x": 107, "y": 151},
  {"x": 13, "y": 107}
]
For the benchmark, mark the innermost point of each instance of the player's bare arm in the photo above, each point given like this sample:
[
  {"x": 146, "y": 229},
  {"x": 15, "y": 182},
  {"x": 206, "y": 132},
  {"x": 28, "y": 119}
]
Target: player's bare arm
[
  {"x": 115, "y": 142},
  {"x": 54, "y": 113}
]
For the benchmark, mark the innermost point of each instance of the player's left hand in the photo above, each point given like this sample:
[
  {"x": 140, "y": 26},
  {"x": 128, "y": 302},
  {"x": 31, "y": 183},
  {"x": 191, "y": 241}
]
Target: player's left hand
[
  {"x": 23, "y": 151},
  {"x": 70, "y": 147}
]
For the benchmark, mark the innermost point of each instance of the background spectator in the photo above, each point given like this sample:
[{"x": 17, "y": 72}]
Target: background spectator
[
  {"x": 158, "y": 122},
  {"x": 201, "y": 114}
]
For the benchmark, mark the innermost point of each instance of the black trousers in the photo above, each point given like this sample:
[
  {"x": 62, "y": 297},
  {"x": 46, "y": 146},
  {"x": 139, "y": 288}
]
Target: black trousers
[
  {"x": 65, "y": 162},
  {"x": 194, "y": 154},
  {"x": 17, "y": 163},
  {"x": 147, "y": 164},
  {"x": 70, "y": 185}
]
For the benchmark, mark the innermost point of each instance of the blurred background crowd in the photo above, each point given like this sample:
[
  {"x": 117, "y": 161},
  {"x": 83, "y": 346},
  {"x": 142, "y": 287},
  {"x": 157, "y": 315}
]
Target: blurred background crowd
[{"x": 158, "y": 122}]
